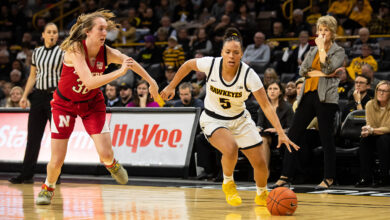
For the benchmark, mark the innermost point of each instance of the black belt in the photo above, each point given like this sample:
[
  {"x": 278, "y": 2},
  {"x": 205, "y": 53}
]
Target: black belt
[
  {"x": 66, "y": 99},
  {"x": 215, "y": 115}
]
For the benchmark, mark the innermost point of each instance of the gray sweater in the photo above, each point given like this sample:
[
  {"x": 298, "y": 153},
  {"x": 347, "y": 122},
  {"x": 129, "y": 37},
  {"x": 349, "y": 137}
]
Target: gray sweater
[{"x": 327, "y": 87}]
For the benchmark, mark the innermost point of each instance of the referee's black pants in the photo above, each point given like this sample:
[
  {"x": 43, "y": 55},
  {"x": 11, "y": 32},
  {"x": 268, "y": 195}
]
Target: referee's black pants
[
  {"x": 310, "y": 107},
  {"x": 40, "y": 113}
]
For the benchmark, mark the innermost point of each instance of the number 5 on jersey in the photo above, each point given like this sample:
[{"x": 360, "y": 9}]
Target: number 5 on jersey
[{"x": 225, "y": 103}]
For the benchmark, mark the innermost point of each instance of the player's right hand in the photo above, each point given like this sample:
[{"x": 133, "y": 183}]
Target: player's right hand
[
  {"x": 168, "y": 93},
  {"x": 23, "y": 102}
]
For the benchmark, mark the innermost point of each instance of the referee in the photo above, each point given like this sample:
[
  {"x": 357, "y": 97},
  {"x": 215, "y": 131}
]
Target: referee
[{"x": 44, "y": 75}]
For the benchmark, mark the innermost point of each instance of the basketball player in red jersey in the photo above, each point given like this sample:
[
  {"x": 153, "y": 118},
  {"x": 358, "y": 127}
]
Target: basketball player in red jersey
[{"x": 78, "y": 94}]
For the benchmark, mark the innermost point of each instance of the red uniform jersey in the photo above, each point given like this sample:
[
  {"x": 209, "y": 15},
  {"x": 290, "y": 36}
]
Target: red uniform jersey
[{"x": 70, "y": 85}]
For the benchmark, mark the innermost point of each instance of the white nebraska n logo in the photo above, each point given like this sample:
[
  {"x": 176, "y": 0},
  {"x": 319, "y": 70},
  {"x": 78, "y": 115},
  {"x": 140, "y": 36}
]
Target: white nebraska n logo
[{"x": 64, "y": 120}]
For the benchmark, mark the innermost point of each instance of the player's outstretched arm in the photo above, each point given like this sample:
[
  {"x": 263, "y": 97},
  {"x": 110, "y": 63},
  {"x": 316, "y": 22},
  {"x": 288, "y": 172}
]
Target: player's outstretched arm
[
  {"x": 92, "y": 82},
  {"x": 169, "y": 91},
  {"x": 115, "y": 56},
  {"x": 270, "y": 113}
]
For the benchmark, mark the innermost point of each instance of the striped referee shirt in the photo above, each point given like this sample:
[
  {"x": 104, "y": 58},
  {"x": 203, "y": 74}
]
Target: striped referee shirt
[{"x": 48, "y": 62}]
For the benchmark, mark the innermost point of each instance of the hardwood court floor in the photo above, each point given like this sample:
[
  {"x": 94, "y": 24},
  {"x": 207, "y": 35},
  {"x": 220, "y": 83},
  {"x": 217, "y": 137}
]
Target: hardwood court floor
[{"x": 97, "y": 201}]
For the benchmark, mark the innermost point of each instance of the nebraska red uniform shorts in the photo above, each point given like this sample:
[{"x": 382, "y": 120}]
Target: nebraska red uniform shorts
[{"x": 64, "y": 113}]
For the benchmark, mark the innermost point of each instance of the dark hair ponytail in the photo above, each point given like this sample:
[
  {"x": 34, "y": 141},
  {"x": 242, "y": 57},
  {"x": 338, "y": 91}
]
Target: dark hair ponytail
[{"x": 232, "y": 34}]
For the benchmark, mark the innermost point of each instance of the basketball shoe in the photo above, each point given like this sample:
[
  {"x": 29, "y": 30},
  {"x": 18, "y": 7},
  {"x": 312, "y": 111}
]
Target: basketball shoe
[
  {"x": 262, "y": 198},
  {"x": 118, "y": 173},
  {"x": 231, "y": 193},
  {"x": 45, "y": 196}
]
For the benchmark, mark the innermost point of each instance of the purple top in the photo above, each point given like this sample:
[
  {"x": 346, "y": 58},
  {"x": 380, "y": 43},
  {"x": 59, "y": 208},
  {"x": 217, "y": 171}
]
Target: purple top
[{"x": 150, "y": 104}]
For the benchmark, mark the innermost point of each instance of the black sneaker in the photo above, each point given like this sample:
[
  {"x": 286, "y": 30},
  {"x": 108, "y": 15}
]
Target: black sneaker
[{"x": 20, "y": 179}]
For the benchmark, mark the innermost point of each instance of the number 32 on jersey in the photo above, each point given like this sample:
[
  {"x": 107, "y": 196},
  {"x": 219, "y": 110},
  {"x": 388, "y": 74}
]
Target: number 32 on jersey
[{"x": 80, "y": 88}]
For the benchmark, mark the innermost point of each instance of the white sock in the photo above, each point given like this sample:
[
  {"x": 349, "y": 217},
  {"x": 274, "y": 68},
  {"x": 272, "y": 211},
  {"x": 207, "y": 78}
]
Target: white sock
[
  {"x": 260, "y": 189},
  {"x": 227, "y": 179},
  {"x": 51, "y": 185},
  {"x": 109, "y": 163}
]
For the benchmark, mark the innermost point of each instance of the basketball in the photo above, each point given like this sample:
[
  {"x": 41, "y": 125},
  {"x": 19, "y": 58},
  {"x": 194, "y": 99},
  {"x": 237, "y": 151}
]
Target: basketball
[{"x": 282, "y": 201}]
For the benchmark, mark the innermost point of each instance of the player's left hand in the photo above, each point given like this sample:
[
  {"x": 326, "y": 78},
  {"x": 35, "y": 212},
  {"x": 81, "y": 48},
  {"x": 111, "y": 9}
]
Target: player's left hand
[
  {"x": 153, "y": 90},
  {"x": 283, "y": 139}
]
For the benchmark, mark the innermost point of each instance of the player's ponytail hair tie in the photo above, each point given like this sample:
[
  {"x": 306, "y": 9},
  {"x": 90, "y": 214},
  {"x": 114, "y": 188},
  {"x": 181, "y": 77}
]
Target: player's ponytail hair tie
[{"x": 234, "y": 34}]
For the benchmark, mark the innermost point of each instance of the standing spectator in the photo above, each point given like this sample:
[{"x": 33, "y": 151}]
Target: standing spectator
[
  {"x": 355, "y": 68},
  {"x": 41, "y": 83},
  {"x": 360, "y": 96},
  {"x": 186, "y": 98},
  {"x": 257, "y": 55},
  {"x": 112, "y": 98},
  {"x": 142, "y": 97},
  {"x": 364, "y": 38},
  {"x": 125, "y": 93},
  {"x": 376, "y": 137},
  {"x": 173, "y": 55},
  {"x": 14, "y": 98},
  {"x": 319, "y": 99}
]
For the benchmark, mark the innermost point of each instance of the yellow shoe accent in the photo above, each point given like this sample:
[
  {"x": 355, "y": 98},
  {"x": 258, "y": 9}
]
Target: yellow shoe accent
[
  {"x": 262, "y": 198},
  {"x": 231, "y": 193}
]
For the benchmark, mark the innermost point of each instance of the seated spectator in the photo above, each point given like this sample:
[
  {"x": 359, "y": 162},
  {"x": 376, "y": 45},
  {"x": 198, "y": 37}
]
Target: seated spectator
[
  {"x": 359, "y": 17},
  {"x": 376, "y": 137},
  {"x": 355, "y": 68},
  {"x": 184, "y": 41},
  {"x": 127, "y": 33},
  {"x": 245, "y": 23},
  {"x": 291, "y": 92},
  {"x": 148, "y": 21},
  {"x": 5, "y": 65},
  {"x": 125, "y": 93},
  {"x": 220, "y": 27},
  {"x": 6, "y": 90},
  {"x": 200, "y": 43},
  {"x": 170, "y": 72},
  {"x": 270, "y": 76},
  {"x": 150, "y": 54},
  {"x": 167, "y": 26},
  {"x": 257, "y": 55},
  {"x": 340, "y": 8},
  {"x": 16, "y": 78},
  {"x": 134, "y": 20},
  {"x": 183, "y": 11},
  {"x": 141, "y": 97},
  {"x": 275, "y": 93},
  {"x": 298, "y": 25},
  {"x": 277, "y": 32},
  {"x": 380, "y": 23},
  {"x": 345, "y": 84},
  {"x": 186, "y": 99},
  {"x": 15, "y": 96},
  {"x": 112, "y": 99},
  {"x": 368, "y": 70},
  {"x": 360, "y": 96},
  {"x": 173, "y": 55},
  {"x": 315, "y": 13},
  {"x": 163, "y": 9},
  {"x": 299, "y": 53},
  {"x": 364, "y": 38}
]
